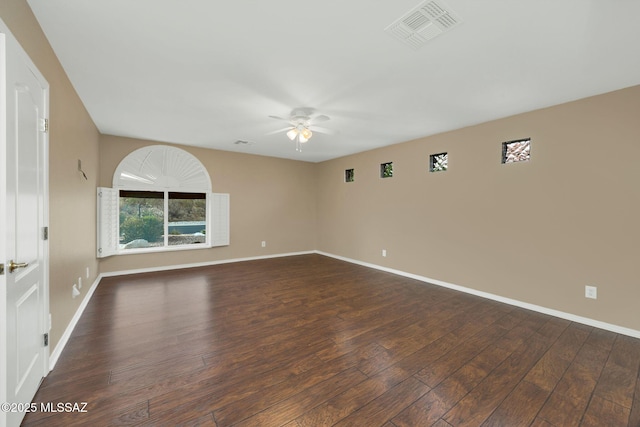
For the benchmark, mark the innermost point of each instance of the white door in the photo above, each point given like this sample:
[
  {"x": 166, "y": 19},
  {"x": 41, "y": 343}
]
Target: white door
[{"x": 23, "y": 221}]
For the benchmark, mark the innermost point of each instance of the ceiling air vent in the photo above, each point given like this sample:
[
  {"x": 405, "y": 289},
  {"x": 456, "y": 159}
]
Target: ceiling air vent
[{"x": 422, "y": 23}]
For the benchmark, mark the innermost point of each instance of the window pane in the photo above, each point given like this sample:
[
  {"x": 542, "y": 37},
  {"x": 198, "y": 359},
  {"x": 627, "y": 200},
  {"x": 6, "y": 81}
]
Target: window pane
[
  {"x": 438, "y": 162},
  {"x": 187, "y": 218},
  {"x": 516, "y": 151},
  {"x": 349, "y": 175},
  {"x": 386, "y": 170},
  {"x": 141, "y": 219}
]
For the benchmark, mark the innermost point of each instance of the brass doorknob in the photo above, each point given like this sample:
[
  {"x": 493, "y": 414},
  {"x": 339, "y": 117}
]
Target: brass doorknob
[{"x": 16, "y": 265}]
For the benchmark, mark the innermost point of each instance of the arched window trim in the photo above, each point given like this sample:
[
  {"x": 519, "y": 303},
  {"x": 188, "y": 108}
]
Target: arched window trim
[
  {"x": 166, "y": 169},
  {"x": 162, "y": 167}
]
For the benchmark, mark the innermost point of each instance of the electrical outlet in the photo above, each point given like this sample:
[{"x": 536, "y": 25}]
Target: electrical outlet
[
  {"x": 79, "y": 282},
  {"x": 591, "y": 292},
  {"x": 384, "y": 252},
  {"x": 87, "y": 272},
  {"x": 264, "y": 244}
]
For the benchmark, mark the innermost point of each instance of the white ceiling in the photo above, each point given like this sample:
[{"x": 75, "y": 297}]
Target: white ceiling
[{"x": 209, "y": 72}]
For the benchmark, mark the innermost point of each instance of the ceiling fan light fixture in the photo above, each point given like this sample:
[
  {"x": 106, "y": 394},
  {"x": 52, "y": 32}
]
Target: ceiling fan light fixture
[
  {"x": 300, "y": 123},
  {"x": 306, "y": 133}
]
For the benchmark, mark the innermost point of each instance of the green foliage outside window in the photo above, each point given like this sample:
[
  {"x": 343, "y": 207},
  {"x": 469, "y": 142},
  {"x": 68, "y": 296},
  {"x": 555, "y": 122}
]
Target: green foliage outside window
[
  {"x": 386, "y": 170},
  {"x": 187, "y": 210},
  {"x": 349, "y": 175},
  {"x": 149, "y": 228},
  {"x": 143, "y": 217}
]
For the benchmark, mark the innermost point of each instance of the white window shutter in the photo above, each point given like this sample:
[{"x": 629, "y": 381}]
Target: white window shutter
[
  {"x": 107, "y": 222},
  {"x": 219, "y": 219}
]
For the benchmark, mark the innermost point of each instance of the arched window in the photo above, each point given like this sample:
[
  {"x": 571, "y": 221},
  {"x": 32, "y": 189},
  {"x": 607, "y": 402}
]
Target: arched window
[
  {"x": 161, "y": 200},
  {"x": 161, "y": 167}
]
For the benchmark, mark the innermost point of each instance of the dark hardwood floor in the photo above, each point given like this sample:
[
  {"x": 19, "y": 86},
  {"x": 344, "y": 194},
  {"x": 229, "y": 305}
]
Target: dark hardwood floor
[{"x": 313, "y": 341}]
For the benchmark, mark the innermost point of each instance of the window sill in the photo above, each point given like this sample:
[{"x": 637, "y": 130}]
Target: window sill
[{"x": 163, "y": 249}]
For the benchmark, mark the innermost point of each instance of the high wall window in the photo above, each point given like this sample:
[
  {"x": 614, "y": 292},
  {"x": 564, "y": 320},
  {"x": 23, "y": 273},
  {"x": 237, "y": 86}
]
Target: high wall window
[
  {"x": 349, "y": 175},
  {"x": 386, "y": 170},
  {"x": 160, "y": 200},
  {"x": 516, "y": 151},
  {"x": 438, "y": 162}
]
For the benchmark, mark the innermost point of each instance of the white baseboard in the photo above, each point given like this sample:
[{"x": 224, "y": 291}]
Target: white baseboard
[
  {"x": 55, "y": 354},
  {"x": 200, "y": 264},
  {"x": 540, "y": 309}
]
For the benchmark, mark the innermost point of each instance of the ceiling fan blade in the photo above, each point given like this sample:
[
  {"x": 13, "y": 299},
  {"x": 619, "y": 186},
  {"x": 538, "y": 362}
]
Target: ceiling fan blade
[
  {"x": 322, "y": 130},
  {"x": 279, "y": 118},
  {"x": 280, "y": 130},
  {"x": 319, "y": 119}
]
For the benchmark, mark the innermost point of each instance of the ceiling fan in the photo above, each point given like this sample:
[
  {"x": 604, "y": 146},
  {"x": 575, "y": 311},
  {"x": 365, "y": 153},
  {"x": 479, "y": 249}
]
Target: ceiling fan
[{"x": 302, "y": 124}]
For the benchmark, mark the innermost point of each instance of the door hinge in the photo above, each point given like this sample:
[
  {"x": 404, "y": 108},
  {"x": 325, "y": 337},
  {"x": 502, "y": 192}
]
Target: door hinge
[
  {"x": 45, "y": 233},
  {"x": 44, "y": 125},
  {"x": 46, "y": 340},
  {"x": 1, "y": 269}
]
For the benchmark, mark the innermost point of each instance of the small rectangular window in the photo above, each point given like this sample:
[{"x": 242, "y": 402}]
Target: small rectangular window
[
  {"x": 349, "y": 175},
  {"x": 386, "y": 170},
  {"x": 516, "y": 151},
  {"x": 438, "y": 162}
]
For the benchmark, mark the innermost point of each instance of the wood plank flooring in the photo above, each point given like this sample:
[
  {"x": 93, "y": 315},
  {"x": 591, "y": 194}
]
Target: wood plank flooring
[{"x": 312, "y": 341}]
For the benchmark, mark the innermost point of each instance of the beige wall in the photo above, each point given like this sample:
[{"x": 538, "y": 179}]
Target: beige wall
[
  {"x": 271, "y": 200},
  {"x": 537, "y": 232},
  {"x": 72, "y": 136}
]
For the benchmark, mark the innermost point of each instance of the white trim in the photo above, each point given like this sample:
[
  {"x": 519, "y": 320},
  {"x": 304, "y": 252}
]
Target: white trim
[
  {"x": 540, "y": 309},
  {"x": 200, "y": 264},
  {"x": 3, "y": 219},
  {"x": 148, "y": 169},
  {"x": 55, "y": 354},
  {"x": 219, "y": 217},
  {"x": 568, "y": 316},
  {"x": 107, "y": 222},
  {"x": 108, "y": 226},
  {"x": 159, "y": 249}
]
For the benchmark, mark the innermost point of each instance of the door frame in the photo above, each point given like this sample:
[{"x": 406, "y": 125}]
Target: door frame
[{"x": 6, "y": 38}]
